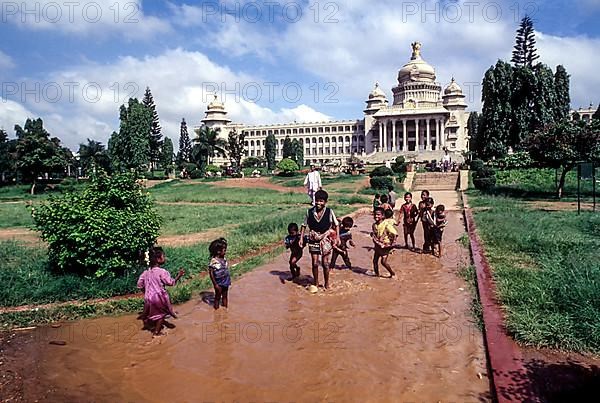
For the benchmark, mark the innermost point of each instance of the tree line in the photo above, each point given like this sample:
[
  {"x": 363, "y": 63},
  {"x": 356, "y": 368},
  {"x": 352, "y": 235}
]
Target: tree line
[{"x": 526, "y": 108}]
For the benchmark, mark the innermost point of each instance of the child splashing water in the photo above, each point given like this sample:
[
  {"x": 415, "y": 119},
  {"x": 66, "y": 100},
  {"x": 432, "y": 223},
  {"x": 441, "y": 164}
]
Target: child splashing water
[
  {"x": 292, "y": 242},
  {"x": 345, "y": 241},
  {"x": 384, "y": 236},
  {"x": 410, "y": 212},
  {"x": 218, "y": 268},
  {"x": 157, "y": 305}
]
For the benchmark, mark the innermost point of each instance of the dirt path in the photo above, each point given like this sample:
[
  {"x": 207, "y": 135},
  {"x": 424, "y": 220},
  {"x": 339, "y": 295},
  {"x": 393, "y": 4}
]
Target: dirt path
[
  {"x": 263, "y": 183},
  {"x": 366, "y": 339},
  {"x": 20, "y": 234}
]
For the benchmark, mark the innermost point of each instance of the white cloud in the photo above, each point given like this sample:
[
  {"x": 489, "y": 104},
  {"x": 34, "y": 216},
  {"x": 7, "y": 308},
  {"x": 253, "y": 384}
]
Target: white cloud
[
  {"x": 100, "y": 18},
  {"x": 12, "y": 113},
  {"x": 6, "y": 62}
]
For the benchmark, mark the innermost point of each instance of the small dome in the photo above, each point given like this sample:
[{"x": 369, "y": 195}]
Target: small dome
[
  {"x": 377, "y": 92},
  {"x": 453, "y": 88},
  {"x": 216, "y": 104},
  {"x": 416, "y": 69}
]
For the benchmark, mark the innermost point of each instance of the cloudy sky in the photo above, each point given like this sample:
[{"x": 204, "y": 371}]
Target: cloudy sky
[{"x": 73, "y": 63}]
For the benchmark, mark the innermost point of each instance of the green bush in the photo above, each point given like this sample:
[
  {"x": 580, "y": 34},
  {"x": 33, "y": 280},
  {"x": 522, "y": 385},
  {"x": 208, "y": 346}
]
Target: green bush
[
  {"x": 381, "y": 182},
  {"x": 67, "y": 185},
  {"x": 484, "y": 184},
  {"x": 381, "y": 171},
  {"x": 287, "y": 167},
  {"x": 213, "y": 169},
  {"x": 196, "y": 174},
  {"x": 484, "y": 172},
  {"x": 520, "y": 159},
  {"x": 400, "y": 165},
  {"x": 476, "y": 165},
  {"x": 100, "y": 230}
]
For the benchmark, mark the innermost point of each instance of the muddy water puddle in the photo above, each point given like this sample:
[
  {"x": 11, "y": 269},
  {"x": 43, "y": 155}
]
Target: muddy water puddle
[{"x": 365, "y": 339}]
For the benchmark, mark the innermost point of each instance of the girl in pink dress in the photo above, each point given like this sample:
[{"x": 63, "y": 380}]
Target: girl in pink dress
[{"x": 157, "y": 304}]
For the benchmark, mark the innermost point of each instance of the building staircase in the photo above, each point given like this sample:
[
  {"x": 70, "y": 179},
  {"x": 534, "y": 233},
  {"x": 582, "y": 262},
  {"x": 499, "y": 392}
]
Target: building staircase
[{"x": 435, "y": 181}]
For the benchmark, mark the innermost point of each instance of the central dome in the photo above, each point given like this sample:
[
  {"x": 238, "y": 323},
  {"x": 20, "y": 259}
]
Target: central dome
[{"x": 416, "y": 69}]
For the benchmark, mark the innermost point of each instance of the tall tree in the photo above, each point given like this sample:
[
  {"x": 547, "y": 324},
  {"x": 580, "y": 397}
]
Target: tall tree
[
  {"x": 298, "y": 150},
  {"x": 236, "y": 144},
  {"x": 544, "y": 99},
  {"x": 596, "y": 115},
  {"x": 166, "y": 157},
  {"x": 7, "y": 155},
  {"x": 562, "y": 105},
  {"x": 93, "y": 155},
  {"x": 185, "y": 144},
  {"x": 564, "y": 144},
  {"x": 524, "y": 52},
  {"x": 496, "y": 113},
  {"x": 473, "y": 132},
  {"x": 523, "y": 86},
  {"x": 154, "y": 135},
  {"x": 38, "y": 154},
  {"x": 207, "y": 145},
  {"x": 288, "y": 150},
  {"x": 129, "y": 148},
  {"x": 270, "y": 151}
]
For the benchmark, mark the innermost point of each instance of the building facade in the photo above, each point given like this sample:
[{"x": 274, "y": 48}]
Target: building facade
[{"x": 420, "y": 124}]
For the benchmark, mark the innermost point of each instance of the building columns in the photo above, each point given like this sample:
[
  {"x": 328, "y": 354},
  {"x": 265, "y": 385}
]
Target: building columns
[
  {"x": 380, "y": 145},
  {"x": 404, "y": 136},
  {"x": 394, "y": 136},
  {"x": 427, "y": 136},
  {"x": 418, "y": 143}
]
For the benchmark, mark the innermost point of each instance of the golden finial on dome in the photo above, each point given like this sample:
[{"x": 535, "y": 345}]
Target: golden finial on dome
[{"x": 416, "y": 50}]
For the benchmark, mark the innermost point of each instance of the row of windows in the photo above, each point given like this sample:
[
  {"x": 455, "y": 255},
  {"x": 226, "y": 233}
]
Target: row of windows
[
  {"x": 327, "y": 140},
  {"x": 310, "y": 151},
  {"x": 303, "y": 130}
]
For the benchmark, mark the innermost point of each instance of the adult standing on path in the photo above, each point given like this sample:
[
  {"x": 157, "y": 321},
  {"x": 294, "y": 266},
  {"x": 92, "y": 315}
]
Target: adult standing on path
[
  {"x": 312, "y": 182},
  {"x": 320, "y": 221}
]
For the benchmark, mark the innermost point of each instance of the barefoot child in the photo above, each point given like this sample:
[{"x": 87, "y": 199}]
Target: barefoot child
[
  {"x": 384, "y": 235},
  {"x": 409, "y": 218},
  {"x": 292, "y": 242},
  {"x": 438, "y": 229},
  {"x": 345, "y": 240},
  {"x": 384, "y": 203},
  {"x": 428, "y": 221},
  {"x": 376, "y": 201},
  {"x": 319, "y": 221},
  {"x": 218, "y": 268},
  {"x": 157, "y": 305},
  {"x": 422, "y": 208}
]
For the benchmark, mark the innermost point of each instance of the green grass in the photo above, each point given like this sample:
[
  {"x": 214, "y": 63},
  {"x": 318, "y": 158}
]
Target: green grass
[
  {"x": 187, "y": 219},
  {"x": 547, "y": 270},
  {"x": 15, "y": 215},
  {"x": 536, "y": 183},
  {"x": 205, "y": 193}
]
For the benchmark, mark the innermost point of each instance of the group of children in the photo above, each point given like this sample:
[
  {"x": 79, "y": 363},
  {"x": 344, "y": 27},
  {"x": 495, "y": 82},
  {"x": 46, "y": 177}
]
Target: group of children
[
  {"x": 326, "y": 238},
  {"x": 433, "y": 220}
]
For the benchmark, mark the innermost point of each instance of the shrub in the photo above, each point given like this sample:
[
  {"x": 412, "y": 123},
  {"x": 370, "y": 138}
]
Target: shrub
[
  {"x": 520, "y": 159},
  {"x": 196, "y": 174},
  {"x": 253, "y": 162},
  {"x": 287, "y": 167},
  {"x": 381, "y": 182},
  {"x": 381, "y": 171},
  {"x": 67, "y": 185},
  {"x": 484, "y": 172},
  {"x": 399, "y": 166},
  {"x": 213, "y": 169},
  {"x": 100, "y": 230},
  {"x": 484, "y": 184},
  {"x": 476, "y": 165}
]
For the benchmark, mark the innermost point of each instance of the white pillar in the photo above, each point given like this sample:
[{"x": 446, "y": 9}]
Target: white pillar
[
  {"x": 385, "y": 135},
  {"x": 428, "y": 137},
  {"x": 380, "y": 146},
  {"x": 442, "y": 132},
  {"x": 394, "y": 135},
  {"x": 438, "y": 138},
  {"x": 418, "y": 143},
  {"x": 404, "y": 136}
]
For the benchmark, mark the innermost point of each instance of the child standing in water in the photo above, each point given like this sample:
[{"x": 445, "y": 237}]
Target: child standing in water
[
  {"x": 157, "y": 304},
  {"x": 422, "y": 208},
  {"x": 218, "y": 268},
  {"x": 345, "y": 240},
  {"x": 384, "y": 235},
  {"x": 292, "y": 242},
  {"x": 409, "y": 217},
  {"x": 438, "y": 229},
  {"x": 428, "y": 221}
]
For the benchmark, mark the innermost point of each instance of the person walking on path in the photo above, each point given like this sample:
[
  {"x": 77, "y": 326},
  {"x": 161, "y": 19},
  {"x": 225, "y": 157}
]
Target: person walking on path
[
  {"x": 312, "y": 182},
  {"x": 392, "y": 197},
  {"x": 320, "y": 220}
]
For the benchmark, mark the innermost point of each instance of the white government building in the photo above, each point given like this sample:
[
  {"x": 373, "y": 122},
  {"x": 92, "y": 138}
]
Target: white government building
[{"x": 420, "y": 123}]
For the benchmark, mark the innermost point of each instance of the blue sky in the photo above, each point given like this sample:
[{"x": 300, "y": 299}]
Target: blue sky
[{"x": 73, "y": 66}]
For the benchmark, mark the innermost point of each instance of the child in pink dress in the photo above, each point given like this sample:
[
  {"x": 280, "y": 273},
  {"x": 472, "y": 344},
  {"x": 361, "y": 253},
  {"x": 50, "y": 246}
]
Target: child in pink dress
[{"x": 157, "y": 304}]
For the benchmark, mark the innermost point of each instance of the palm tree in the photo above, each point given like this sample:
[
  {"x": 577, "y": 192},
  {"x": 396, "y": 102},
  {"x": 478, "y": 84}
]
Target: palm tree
[
  {"x": 206, "y": 145},
  {"x": 93, "y": 155}
]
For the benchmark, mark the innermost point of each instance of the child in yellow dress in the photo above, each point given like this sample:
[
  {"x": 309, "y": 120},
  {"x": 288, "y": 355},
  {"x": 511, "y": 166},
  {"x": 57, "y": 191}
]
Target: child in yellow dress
[{"x": 384, "y": 237}]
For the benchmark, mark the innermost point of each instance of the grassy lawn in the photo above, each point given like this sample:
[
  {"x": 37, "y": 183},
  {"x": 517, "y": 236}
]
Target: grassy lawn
[
  {"x": 547, "y": 270},
  {"x": 261, "y": 219},
  {"x": 535, "y": 183}
]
